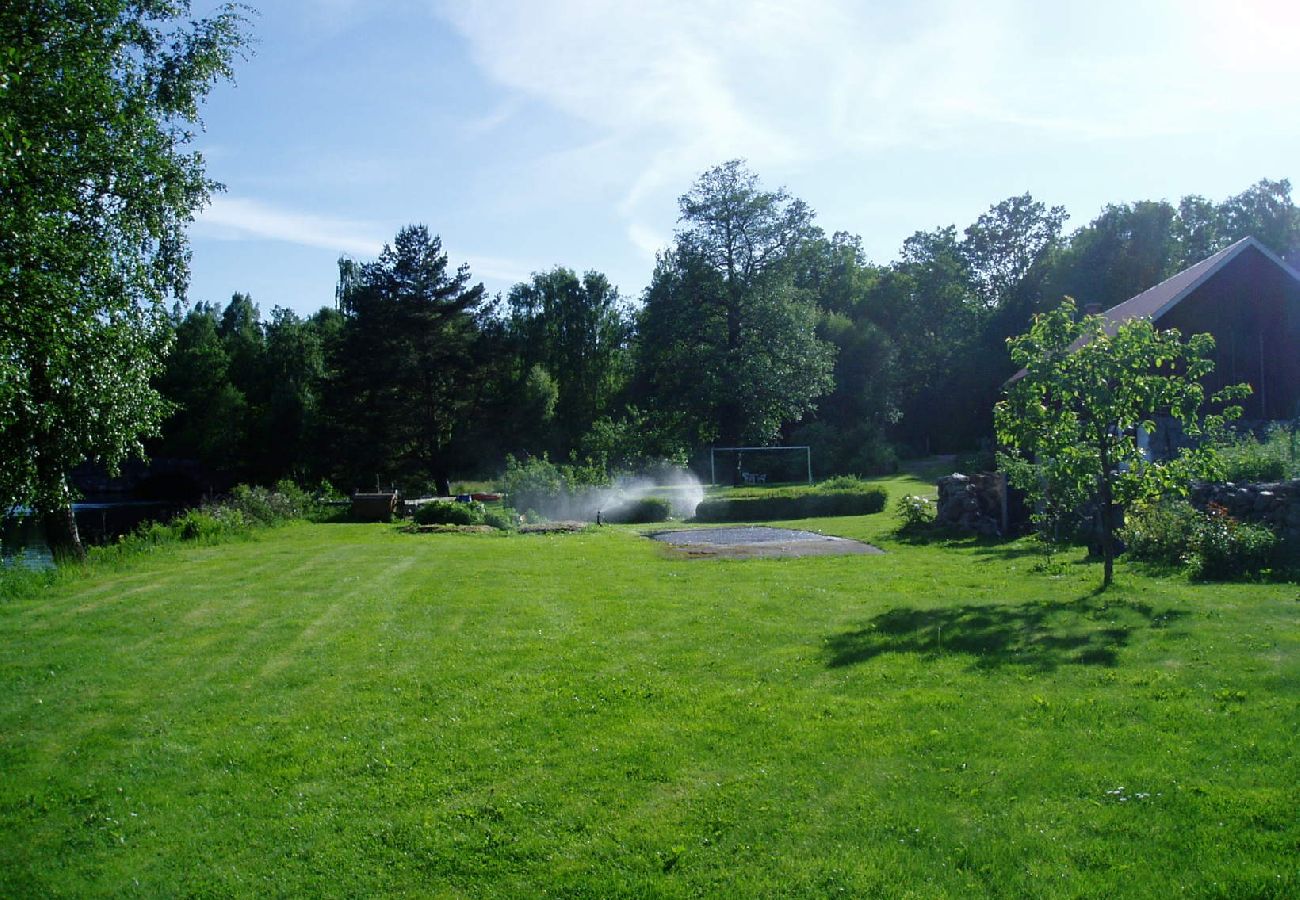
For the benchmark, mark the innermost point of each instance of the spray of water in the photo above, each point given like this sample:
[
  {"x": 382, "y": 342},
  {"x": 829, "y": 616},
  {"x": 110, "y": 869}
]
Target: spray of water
[{"x": 680, "y": 488}]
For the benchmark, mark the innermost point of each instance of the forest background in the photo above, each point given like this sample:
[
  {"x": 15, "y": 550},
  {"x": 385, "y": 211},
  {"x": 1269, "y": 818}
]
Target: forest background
[{"x": 756, "y": 328}]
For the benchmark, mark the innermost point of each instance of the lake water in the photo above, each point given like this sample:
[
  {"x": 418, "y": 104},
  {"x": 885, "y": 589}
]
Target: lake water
[{"x": 22, "y": 537}]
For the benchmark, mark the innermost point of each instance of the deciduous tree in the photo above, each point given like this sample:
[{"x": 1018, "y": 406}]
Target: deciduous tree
[
  {"x": 577, "y": 330},
  {"x": 98, "y": 103},
  {"x": 727, "y": 339},
  {"x": 1070, "y": 425}
]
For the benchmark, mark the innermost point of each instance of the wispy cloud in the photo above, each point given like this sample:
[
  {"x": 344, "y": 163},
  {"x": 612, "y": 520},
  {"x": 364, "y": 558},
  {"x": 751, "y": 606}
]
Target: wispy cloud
[
  {"x": 646, "y": 239},
  {"x": 494, "y": 268},
  {"x": 241, "y": 218},
  {"x": 676, "y": 85}
]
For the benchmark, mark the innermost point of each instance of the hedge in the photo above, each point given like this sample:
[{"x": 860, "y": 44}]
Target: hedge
[
  {"x": 641, "y": 511},
  {"x": 789, "y": 505}
]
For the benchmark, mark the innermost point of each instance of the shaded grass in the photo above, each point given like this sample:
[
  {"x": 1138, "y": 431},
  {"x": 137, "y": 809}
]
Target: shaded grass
[{"x": 343, "y": 710}]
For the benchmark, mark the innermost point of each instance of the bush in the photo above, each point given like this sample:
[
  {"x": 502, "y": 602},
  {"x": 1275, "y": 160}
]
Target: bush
[
  {"x": 1212, "y": 544},
  {"x": 1251, "y": 460},
  {"x": 841, "y": 483},
  {"x": 201, "y": 525},
  {"x": 449, "y": 513},
  {"x": 1161, "y": 533},
  {"x": 502, "y": 519},
  {"x": 793, "y": 503},
  {"x": 1227, "y": 549},
  {"x": 245, "y": 509},
  {"x": 916, "y": 513},
  {"x": 540, "y": 484},
  {"x": 646, "y": 510},
  {"x": 265, "y": 506}
]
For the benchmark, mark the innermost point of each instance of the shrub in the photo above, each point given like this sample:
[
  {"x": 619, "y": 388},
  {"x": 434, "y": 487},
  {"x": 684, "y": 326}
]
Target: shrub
[
  {"x": 792, "y": 503},
  {"x": 1252, "y": 460},
  {"x": 266, "y": 506},
  {"x": 1212, "y": 544},
  {"x": 841, "y": 483},
  {"x": 917, "y": 513},
  {"x": 642, "y": 511},
  {"x": 449, "y": 513},
  {"x": 201, "y": 525},
  {"x": 1227, "y": 549},
  {"x": 502, "y": 518},
  {"x": 540, "y": 484},
  {"x": 1161, "y": 533}
]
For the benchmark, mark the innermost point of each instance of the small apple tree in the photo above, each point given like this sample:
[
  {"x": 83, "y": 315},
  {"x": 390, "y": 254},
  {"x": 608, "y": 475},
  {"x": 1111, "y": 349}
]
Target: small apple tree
[{"x": 1069, "y": 423}]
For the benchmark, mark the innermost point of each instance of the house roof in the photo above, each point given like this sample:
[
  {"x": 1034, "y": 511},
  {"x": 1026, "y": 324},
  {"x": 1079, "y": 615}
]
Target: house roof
[{"x": 1156, "y": 301}]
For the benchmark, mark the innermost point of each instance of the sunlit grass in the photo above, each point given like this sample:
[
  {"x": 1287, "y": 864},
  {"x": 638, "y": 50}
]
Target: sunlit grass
[{"x": 345, "y": 710}]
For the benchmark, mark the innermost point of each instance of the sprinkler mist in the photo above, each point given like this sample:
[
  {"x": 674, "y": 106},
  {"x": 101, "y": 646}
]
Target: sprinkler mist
[{"x": 680, "y": 488}]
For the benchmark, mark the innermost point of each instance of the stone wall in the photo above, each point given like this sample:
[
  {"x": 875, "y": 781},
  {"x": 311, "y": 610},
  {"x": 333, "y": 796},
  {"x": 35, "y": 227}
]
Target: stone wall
[
  {"x": 1276, "y": 505},
  {"x": 974, "y": 503}
]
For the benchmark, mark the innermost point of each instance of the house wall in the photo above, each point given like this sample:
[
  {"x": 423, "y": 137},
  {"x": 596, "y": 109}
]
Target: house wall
[{"x": 1252, "y": 308}]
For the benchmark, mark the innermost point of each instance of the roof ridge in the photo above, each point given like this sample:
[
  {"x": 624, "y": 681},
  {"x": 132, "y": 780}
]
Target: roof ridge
[{"x": 1211, "y": 264}]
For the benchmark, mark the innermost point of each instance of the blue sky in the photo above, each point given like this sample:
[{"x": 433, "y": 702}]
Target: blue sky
[{"x": 531, "y": 134}]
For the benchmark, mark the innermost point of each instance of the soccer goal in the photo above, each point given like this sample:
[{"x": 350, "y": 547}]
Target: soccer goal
[{"x": 760, "y": 465}]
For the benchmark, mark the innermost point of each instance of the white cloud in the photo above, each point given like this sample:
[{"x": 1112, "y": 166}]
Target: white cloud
[
  {"x": 785, "y": 81},
  {"x": 493, "y": 268},
  {"x": 242, "y": 218},
  {"x": 646, "y": 239},
  {"x": 678, "y": 85}
]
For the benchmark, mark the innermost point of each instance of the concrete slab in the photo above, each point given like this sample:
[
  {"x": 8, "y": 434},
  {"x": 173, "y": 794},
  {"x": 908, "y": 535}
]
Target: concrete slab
[{"x": 757, "y": 541}]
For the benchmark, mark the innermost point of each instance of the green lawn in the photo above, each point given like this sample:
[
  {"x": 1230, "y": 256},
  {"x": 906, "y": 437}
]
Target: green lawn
[{"x": 345, "y": 710}]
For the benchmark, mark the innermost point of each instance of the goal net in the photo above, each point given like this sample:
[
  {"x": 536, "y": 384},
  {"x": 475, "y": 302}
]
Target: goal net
[{"x": 760, "y": 465}]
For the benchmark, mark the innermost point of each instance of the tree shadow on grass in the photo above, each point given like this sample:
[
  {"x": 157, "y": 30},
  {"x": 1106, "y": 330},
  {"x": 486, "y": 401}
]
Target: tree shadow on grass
[
  {"x": 997, "y": 549},
  {"x": 1089, "y": 631}
]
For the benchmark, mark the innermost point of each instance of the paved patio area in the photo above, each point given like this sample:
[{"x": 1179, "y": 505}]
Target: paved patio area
[{"x": 748, "y": 541}]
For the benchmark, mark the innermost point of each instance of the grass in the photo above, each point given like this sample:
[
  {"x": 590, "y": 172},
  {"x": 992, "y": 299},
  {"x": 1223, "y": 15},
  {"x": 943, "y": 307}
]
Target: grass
[{"x": 345, "y": 710}]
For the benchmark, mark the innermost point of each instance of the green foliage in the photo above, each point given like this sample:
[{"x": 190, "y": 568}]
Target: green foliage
[
  {"x": 1248, "y": 459},
  {"x": 727, "y": 341},
  {"x": 533, "y": 482},
  {"x": 846, "y": 497},
  {"x": 442, "y": 512},
  {"x": 197, "y": 525},
  {"x": 636, "y": 442},
  {"x": 537, "y": 483},
  {"x": 975, "y": 462},
  {"x": 244, "y": 510},
  {"x": 209, "y": 414},
  {"x": 500, "y": 518},
  {"x": 576, "y": 329},
  {"x": 98, "y": 106},
  {"x": 1211, "y": 544},
  {"x": 1227, "y": 549},
  {"x": 1071, "y": 423},
  {"x": 264, "y": 506},
  {"x": 857, "y": 448},
  {"x": 1163, "y": 533},
  {"x": 916, "y": 513},
  {"x": 644, "y": 510},
  {"x": 756, "y": 691},
  {"x": 406, "y": 372}
]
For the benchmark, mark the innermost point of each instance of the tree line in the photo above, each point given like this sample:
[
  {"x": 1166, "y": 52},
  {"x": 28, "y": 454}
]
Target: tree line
[{"x": 757, "y": 327}]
